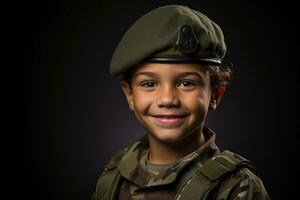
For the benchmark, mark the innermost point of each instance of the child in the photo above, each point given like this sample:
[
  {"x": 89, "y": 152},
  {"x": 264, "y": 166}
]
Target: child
[{"x": 173, "y": 74}]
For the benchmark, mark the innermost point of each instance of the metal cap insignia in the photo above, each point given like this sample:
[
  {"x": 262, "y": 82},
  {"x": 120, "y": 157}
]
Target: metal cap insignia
[{"x": 187, "y": 42}]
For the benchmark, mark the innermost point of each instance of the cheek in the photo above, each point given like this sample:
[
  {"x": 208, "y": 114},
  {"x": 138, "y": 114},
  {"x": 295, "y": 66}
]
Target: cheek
[
  {"x": 141, "y": 102},
  {"x": 204, "y": 102},
  {"x": 198, "y": 104}
]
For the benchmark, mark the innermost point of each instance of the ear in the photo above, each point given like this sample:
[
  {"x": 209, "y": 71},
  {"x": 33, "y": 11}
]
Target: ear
[
  {"x": 216, "y": 97},
  {"x": 128, "y": 94}
]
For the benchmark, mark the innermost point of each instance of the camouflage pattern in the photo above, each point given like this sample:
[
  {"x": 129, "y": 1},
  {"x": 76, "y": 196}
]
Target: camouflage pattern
[{"x": 180, "y": 180}]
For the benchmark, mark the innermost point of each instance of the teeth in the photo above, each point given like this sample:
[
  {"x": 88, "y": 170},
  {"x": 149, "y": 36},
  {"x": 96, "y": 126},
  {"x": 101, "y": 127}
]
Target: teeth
[{"x": 168, "y": 117}]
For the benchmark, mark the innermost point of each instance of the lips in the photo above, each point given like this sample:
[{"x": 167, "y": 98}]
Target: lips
[{"x": 168, "y": 121}]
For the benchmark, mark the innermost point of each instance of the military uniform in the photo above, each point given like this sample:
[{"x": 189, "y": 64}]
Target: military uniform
[
  {"x": 206, "y": 173},
  {"x": 172, "y": 34}
]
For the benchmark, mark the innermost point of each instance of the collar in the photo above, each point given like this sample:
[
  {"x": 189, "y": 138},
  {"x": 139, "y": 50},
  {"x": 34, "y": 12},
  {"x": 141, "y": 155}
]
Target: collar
[{"x": 130, "y": 168}]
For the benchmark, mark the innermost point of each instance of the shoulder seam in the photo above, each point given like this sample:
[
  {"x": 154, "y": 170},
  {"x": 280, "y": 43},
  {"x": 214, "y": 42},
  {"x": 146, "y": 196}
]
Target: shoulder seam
[
  {"x": 224, "y": 163},
  {"x": 113, "y": 162}
]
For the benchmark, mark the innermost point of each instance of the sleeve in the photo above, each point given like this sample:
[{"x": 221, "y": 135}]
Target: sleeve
[{"x": 242, "y": 185}]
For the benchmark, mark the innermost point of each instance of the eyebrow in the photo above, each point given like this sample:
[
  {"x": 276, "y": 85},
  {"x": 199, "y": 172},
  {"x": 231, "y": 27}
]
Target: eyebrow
[
  {"x": 145, "y": 73},
  {"x": 190, "y": 73},
  {"x": 182, "y": 74}
]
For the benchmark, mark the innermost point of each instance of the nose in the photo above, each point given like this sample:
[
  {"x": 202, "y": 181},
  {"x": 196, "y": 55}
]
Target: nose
[{"x": 167, "y": 97}]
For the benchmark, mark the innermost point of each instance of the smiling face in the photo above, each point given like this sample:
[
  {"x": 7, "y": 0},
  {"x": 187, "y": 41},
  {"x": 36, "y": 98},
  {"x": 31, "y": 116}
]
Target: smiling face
[{"x": 169, "y": 100}]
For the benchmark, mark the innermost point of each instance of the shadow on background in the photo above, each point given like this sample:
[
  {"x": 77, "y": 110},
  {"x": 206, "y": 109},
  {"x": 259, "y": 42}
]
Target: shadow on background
[{"x": 72, "y": 117}]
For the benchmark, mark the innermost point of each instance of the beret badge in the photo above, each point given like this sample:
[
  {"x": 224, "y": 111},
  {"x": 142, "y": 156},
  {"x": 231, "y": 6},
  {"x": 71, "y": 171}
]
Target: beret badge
[{"x": 187, "y": 42}]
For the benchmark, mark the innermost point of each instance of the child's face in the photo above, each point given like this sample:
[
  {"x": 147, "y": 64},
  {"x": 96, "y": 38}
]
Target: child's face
[{"x": 170, "y": 100}]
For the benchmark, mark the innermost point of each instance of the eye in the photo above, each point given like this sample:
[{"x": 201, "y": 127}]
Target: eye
[
  {"x": 148, "y": 84},
  {"x": 186, "y": 83}
]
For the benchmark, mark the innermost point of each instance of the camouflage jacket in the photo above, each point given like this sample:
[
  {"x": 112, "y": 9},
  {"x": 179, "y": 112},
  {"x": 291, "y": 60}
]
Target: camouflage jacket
[{"x": 206, "y": 173}]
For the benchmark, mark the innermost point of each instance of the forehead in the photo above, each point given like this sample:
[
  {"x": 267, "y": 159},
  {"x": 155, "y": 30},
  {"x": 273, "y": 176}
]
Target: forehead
[{"x": 169, "y": 69}]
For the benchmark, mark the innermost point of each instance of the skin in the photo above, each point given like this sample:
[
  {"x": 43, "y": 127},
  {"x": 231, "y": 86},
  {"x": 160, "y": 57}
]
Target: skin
[{"x": 171, "y": 101}]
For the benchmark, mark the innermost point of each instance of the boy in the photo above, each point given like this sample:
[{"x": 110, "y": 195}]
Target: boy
[{"x": 171, "y": 62}]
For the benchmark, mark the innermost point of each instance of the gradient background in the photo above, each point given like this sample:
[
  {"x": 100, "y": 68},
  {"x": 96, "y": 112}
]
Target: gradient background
[{"x": 72, "y": 117}]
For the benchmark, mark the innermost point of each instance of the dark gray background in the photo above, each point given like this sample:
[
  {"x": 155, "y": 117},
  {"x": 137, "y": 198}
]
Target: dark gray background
[{"x": 72, "y": 117}]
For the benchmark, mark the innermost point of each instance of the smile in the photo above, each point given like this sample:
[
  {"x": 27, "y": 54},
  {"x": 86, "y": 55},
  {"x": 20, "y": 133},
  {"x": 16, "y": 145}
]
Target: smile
[{"x": 168, "y": 121}]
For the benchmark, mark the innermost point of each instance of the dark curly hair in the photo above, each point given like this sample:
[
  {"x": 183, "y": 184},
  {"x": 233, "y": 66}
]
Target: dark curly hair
[{"x": 219, "y": 75}]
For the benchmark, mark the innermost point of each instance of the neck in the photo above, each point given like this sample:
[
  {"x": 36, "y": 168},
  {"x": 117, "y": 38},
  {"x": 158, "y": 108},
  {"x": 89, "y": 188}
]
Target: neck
[{"x": 167, "y": 152}]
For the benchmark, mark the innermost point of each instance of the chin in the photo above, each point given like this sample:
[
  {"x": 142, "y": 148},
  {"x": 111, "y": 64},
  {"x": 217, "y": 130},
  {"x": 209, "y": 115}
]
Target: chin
[{"x": 168, "y": 136}]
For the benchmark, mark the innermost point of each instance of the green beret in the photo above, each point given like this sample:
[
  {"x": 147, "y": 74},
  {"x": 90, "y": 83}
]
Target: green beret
[{"x": 170, "y": 33}]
